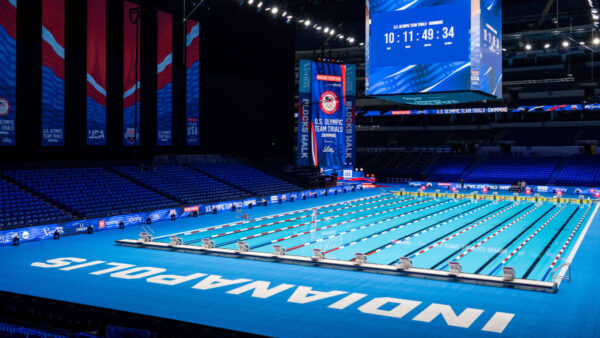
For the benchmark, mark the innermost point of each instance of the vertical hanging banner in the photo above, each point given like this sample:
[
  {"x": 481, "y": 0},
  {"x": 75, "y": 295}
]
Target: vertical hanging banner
[
  {"x": 192, "y": 62},
  {"x": 304, "y": 106},
  {"x": 350, "y": 117},
  {"x": 8, "y": 71},
  {"x": 53, "y": 72},
  {"x": 164, "y": 79},
  {"x": 328, "y": 115},
  {"x": 131, "y": 76},
  {"x": 96, "y": 72}
]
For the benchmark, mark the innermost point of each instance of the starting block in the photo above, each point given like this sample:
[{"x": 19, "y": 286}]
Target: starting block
[
  {"x": 455, "y": 267},
  {"x": 405, "y": 264},
  {"x": 508, "y": 273},
  {"x": 145, "y": 237},
  {"x": 278, "y": 250},
  {"x": 242, "y": 246},
  {"x": 208, "y": 243},
  {"x": 360, "y": 258},
  {"x": 318, "y": 255},
  {"x": 175, "y": 241}
]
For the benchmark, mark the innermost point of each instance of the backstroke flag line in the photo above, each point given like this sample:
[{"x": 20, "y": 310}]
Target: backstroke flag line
[
  {"x": 53, "y": 72},
  {"x": 164, "y": 79},
  {"x": 8, "y": 71},
  {"x": 96, "y": 72}
]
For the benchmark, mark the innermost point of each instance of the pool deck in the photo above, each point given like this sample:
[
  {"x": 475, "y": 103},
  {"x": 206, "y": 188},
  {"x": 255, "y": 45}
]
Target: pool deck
[{"x": 300, "y": 300}]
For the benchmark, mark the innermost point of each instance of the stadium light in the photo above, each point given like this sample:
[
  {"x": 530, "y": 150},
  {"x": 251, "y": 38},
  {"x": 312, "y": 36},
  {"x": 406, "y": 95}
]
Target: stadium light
[
  {"x": 250, "y": 2},
  {"x": 307, "y": 23},
  {"x": 274, "y": 10},
  {"x": 596, "y": 41},
  {"x": 326, "y": 29},
  {"x": 565, "y": 43},
  {"x": 527, "y": 47},
  {"x": 581, "y": 43},
  {"x": 547, "y": 46},
  {"x": 283, "y": 14},
  {"x": 259, "y": 5},
  {"x": 331, "y": 32},
  {"x": 318, "y": 28},
  {"x": 362, "y": 44},
  {"x": 595, "y": 16}
]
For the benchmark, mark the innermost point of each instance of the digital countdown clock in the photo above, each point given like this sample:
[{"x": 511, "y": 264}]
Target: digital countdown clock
[{"x": 417, "y": 48}]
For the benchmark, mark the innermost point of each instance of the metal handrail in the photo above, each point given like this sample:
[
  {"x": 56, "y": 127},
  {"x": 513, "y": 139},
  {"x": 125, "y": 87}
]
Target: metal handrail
[{"x": 567, "y": 277}]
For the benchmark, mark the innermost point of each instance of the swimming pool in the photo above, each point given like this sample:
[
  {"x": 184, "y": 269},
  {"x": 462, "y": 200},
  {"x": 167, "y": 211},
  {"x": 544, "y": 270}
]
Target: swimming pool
[{"x": 482, "y": 235}]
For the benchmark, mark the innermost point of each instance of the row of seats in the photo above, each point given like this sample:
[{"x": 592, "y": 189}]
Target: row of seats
[
  {"x": 449, "y": 168},
  {"x": 70, "y": 193},
  {"x": 522, "y": 136},
  {"x": 19, "y": 208},
  {"x": 580, "y": 171},
  {"x": 247, "y": 178},
  {"x": 90, "y": 192},
  {"x": 506, "y": 169},
  {"x": 183, "y": 183}
]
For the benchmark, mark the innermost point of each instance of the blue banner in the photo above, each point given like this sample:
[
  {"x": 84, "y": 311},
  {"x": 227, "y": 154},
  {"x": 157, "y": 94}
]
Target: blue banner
[
  {"x": 192, "y": 115},
  {"x": 8, "y": 71},
  {"x": 53, "y": 72},
  {"x": 96, "y": 73},
  {"x": 350, "y": 118},
  {"x": 328, "y": 114},
  {"x": 304, "y": 107},
  {"x": 164, "y": 76}
]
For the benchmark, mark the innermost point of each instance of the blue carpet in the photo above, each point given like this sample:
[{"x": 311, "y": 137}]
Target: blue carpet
[{"x": 572, "y": 311}]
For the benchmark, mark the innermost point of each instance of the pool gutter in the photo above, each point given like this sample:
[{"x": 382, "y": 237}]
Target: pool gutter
[{"x": 469, "y": 278}]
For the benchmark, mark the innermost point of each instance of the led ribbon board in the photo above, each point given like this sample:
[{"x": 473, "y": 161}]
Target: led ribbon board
[{"x": 431, "y": 52}]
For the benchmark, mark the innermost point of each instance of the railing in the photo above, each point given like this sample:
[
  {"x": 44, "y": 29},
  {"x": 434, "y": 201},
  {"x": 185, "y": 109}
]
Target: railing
[{"x": 558, "y": 275}]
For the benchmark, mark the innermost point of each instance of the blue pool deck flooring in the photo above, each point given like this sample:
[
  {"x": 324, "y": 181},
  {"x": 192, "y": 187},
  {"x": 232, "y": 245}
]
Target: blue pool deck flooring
[{"x": 572, "y": 311}]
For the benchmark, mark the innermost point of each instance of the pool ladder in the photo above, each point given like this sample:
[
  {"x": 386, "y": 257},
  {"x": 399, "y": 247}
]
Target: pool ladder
[{"x": 557, "y": 269}]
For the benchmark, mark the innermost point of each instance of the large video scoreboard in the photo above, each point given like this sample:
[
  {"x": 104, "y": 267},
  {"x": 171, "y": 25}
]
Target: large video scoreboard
[{"x": 434, "y": 51}]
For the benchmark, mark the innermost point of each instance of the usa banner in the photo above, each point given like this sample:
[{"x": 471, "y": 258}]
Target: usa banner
[
  {"x": 96, "y": 72},
  {"x": 328, "y": 115},
  {"x": 192, "y": 62},
  {"x": 53, "y": 72},
  {"x": 8, "y": 71},
  {"x": 131, "y": 75},
  {"x": 164, "y": 79},
  {"x": 304, "y": 108}
]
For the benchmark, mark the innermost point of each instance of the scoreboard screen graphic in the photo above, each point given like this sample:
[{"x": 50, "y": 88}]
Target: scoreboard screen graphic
[{"x": 433, "y": 51}]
